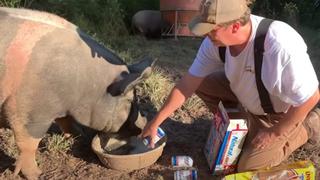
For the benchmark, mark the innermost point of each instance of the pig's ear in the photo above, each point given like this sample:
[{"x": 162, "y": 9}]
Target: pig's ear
[
  {"x": 138, "y": 72},
  {"x": 142, "y": 64},
  {"x": 128, "y": 82}
]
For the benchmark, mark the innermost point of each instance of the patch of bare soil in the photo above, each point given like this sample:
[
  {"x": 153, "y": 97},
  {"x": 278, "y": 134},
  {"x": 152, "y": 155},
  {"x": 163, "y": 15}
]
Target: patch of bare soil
[{"x": 187, "y": 134}]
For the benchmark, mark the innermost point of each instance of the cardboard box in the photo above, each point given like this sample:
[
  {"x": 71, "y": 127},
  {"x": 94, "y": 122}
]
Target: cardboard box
[
  {"x": 224, "y": 142},
  {"x": 303, "y": 170}
]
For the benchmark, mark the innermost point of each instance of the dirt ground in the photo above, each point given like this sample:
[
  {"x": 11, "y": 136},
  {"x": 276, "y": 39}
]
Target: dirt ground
[
  {"x": 186, "y": 133},
  {"x": 82, "y": 163}
]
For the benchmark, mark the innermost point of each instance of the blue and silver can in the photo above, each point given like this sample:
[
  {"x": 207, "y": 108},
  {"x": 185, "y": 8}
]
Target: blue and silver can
[{"x": 160, "y": 134}]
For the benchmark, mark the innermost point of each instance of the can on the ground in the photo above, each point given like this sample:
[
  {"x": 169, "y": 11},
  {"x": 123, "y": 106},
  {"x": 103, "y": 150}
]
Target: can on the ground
[
  {"x": 186, "y": 175},
  {"x": 181, "y": 161}
]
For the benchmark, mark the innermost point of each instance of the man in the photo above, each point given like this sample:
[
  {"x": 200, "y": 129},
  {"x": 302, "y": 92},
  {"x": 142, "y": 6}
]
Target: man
[{"x": 287, "y": 74}]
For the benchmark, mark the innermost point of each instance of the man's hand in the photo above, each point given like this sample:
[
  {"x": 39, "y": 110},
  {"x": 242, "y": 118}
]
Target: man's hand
[
  {"x": 150, "y": 130},
  {"x": 264, "y": 138}
]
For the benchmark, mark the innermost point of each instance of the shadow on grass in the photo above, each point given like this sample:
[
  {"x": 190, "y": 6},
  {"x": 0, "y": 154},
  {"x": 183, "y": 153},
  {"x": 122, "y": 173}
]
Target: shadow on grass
[{"x": 81, "y": 148}]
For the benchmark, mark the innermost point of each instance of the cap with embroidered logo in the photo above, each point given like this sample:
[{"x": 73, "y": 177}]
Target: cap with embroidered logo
[{"x": 215, "y": 12}]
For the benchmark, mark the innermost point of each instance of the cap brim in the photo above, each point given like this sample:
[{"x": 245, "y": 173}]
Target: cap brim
[{"x": 199, "y": 28}]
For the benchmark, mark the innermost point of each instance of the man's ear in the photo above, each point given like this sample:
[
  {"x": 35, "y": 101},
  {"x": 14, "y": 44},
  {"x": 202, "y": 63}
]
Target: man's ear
[{"x": 235, "y": 27}]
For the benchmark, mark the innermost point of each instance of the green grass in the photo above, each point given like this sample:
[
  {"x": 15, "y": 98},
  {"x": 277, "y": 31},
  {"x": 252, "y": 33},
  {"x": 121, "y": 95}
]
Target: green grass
[{"x": 58, "y": 143}]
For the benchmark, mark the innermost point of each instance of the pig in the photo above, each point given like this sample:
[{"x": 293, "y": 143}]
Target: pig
[
  {"x": 148, "y": 23},
  {"x": 50, "y": 69}
]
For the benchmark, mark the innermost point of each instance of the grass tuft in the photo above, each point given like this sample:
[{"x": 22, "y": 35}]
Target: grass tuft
[
  {"x": 157, "y": 87},
  {"x": 58, "y": 143},
  {"x": 7, "y": 143}
]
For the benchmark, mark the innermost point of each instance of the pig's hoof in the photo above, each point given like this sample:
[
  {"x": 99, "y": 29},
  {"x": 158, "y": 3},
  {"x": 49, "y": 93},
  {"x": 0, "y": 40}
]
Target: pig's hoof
[
  {"x": 32, "y": 174},
  {"x": 29, "y": 171}
]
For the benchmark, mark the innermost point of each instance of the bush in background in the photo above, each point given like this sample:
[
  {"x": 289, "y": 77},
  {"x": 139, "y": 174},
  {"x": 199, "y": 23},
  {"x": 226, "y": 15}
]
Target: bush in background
[
  {"x": 16, "y": 3},
  {"x": 100, "y": 18}
]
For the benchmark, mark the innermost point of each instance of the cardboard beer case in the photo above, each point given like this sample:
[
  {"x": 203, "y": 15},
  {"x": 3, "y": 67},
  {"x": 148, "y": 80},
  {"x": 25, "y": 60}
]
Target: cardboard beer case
[
  {"x": 302, "y": 170},
  {"x": 224, "y": 142}
]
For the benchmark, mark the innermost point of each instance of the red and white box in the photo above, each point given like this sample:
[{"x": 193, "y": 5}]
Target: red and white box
[{"x": 225, "y": 141}]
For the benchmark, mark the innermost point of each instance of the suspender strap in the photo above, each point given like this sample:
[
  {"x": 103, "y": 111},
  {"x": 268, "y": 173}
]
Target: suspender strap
[
  {"x": 222, "y": 53},
  {"x": 258, "y": 57}
]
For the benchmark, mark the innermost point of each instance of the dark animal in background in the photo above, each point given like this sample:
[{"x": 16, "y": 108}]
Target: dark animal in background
[
  {"x": 148, "y": 23},
  {"x": 50, "y": 69}
]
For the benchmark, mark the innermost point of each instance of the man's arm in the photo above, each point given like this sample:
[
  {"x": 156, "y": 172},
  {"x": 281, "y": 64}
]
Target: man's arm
[
  {"x": 182, "y": 91},
  {"x": 294, "y": 117}
]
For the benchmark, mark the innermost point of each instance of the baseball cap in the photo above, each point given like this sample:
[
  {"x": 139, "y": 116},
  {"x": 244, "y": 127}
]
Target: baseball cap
[{"x": 215, "y": 12}]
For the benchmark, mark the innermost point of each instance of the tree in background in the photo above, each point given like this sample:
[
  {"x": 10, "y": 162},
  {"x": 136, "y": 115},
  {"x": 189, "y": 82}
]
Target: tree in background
[{"x": 290, "y": 11}]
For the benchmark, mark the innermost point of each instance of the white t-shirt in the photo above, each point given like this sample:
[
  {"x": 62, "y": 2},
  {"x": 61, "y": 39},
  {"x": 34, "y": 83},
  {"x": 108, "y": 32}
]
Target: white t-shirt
[{"x": 287, "y": 72}]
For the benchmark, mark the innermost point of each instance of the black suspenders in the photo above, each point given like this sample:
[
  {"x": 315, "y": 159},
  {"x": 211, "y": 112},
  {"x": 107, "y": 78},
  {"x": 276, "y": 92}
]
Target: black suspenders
[{"x": 258, "y": 57}]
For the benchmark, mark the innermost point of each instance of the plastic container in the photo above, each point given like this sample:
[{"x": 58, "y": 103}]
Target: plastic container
[{"x": 127, "y": 162}]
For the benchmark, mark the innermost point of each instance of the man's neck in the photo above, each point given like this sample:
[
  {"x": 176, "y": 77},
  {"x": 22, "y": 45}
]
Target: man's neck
[{"x": 244, "y": 36}]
